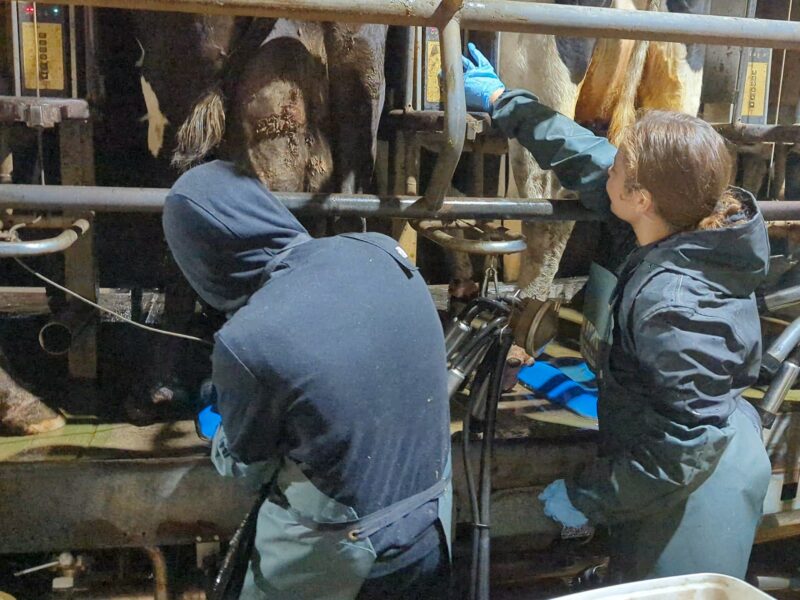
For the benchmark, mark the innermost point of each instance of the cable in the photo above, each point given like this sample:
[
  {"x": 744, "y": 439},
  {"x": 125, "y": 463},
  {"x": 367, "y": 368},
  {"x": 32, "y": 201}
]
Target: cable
[
  {"x": 474, "y": 398},
  {"x": 183, "y": 336},
  {"x": 499, "y": 352}
]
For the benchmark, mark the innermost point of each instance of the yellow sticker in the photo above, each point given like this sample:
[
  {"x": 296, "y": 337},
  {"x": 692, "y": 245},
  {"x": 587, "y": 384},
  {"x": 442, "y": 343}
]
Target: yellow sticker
[
  {"x": 44, "y": 42},
  {"x": 433, "y": 94},
  {"x": 755, "y": 90}
]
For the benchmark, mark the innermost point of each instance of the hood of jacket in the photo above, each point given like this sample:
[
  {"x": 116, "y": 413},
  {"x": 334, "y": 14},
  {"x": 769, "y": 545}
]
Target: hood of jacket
[
  {"x": 223, "y": 228},
  {"x": 734, "y": 258}
]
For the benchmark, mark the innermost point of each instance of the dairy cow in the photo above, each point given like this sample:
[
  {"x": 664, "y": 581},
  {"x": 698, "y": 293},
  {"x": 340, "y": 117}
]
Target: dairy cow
[{"x": 601, "y": 83}]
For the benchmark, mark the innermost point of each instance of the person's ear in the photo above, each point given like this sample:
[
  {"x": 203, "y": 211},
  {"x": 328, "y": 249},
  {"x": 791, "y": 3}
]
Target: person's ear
[{"x": 644, "y": 201}]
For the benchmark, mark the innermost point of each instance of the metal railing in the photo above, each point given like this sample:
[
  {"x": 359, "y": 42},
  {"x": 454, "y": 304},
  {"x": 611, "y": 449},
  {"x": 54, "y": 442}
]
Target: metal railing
[
  {"x": 497, "y": 15},
  {"x": 47, "y": 198}
]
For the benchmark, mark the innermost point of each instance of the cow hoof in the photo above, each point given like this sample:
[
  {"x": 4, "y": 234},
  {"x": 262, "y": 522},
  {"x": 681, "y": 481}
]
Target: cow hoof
[{"x": 22, "y": 413}]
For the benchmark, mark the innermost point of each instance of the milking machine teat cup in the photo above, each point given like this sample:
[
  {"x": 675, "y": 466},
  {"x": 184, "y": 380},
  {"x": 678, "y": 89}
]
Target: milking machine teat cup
[
  {"x": 780, "y": 363},
  {"x": 529, "y": 322}
]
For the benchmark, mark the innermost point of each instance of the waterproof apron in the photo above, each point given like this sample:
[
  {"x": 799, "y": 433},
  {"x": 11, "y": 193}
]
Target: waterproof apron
[
  {"x": 712, "y": 530},
  {"x": 308, "y": 545}
]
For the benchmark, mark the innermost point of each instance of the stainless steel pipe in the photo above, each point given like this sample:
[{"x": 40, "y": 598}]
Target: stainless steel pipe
[
  {"x": 121, "y": 199},
  {"x": 455, "y": 116},
  {"x": 59, "y": 243},
  {"x": 499, "y": 15},
  {"x": 58, "y": 334}
]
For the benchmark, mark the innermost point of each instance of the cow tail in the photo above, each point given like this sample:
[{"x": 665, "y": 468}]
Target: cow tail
[
  {"x": 202, "y": 131},
  {"x": 625, "y": 110},
  {"x": 204, "y": 128}
]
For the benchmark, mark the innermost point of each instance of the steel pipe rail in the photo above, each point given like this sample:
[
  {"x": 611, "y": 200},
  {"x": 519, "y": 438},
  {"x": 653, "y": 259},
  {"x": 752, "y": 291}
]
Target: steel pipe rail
[
  {"x": 455, "y": 116},
  {"x": 498, "y": 15},
  {"x": 151, "y": 200},
  {"x": 58, "y": 243},
  {"x": 122, "y": 199}
]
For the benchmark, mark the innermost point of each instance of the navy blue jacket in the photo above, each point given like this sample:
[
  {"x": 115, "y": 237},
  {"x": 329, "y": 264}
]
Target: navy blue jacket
[
  {"x": 333, "y": 356},
  {"x": 686, "y": 338}
]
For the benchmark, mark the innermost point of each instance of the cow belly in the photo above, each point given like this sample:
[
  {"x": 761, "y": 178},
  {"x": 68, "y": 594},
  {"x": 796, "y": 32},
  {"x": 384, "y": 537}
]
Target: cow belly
[{"x": 280, "y": 113}]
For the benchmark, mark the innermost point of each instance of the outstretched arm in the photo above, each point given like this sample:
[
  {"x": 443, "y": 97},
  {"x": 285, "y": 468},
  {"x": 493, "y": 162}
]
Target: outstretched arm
[{"x": 578, "y": 158}]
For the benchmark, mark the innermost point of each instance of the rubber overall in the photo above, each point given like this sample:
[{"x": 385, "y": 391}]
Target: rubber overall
[{"x": 681, "y": 472}]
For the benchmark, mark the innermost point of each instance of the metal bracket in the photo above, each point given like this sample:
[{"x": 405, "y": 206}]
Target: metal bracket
[{"x": 42, "y": 112}]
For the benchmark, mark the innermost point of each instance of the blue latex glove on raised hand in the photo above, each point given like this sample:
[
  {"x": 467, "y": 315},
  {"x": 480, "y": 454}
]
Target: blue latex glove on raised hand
[
  {"x": 558, "y": 507},
  {"x": 480, "y": 80}
]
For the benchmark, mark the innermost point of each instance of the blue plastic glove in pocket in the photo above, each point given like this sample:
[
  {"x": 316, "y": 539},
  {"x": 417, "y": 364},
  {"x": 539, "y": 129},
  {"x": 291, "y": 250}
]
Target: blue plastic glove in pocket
[
  {"x": 480, "y": 80},
  {"x": 558, "y": 507}
]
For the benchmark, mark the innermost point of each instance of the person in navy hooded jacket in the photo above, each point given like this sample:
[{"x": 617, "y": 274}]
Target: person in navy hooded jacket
[{"x": 329, "y": 376}]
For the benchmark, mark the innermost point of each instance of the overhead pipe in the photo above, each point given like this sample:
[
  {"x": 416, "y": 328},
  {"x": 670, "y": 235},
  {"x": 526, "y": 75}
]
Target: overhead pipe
[
  {"x": 59, "y": 243},
  {"x": 498, "y": 15},
  {"x": 151, "y": 200}
]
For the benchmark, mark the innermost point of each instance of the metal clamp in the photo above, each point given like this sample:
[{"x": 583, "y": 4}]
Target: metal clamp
[
  {"x": 501, "y": 240},
  {"x": 59, "y": 243}
]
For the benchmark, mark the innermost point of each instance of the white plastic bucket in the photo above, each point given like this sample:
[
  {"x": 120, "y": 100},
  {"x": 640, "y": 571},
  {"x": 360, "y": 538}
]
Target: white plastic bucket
[{"x": 700, "y": 586}]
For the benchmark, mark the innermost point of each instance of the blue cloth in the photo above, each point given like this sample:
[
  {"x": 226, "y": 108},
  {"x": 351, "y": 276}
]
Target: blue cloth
[
  {"x": 480, "y": 80},
  {"x": 560, "y": 389},
  {"x": 558, "y": 507}
]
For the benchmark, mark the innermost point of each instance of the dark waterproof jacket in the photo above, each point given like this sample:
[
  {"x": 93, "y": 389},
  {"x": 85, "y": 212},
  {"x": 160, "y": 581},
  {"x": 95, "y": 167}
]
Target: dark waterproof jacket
[
  {"x": 333, "y": 356},
  {"x": 686, "y": 337}
]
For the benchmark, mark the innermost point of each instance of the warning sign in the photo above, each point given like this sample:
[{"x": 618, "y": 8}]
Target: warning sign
[{"x": 43, "y": 55}]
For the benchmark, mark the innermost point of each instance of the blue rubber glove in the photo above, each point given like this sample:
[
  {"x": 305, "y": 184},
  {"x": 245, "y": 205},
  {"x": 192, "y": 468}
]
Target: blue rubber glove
[
  {"x": 558, "y": 507},
  {"x": 480, "y": 80},
  {"x": 208, "y": 419}
]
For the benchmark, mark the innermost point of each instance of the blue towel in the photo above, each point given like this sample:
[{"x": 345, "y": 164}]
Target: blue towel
[
  {"x": 576, "y": 369},
  {"x": 556, "y": 386}
]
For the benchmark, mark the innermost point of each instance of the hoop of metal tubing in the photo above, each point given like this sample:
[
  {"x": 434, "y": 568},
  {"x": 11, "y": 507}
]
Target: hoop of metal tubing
[
  {"x": 509, "y": 243},
  {"x": 151, "y": 200},
  {"x": 498, "y": 15},
  {"x": 58, "y": 243}
]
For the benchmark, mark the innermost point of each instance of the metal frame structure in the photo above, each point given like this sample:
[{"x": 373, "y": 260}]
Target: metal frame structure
[
  {"x": 179, "y": 519},
  {"x": 504, "y": 15}
]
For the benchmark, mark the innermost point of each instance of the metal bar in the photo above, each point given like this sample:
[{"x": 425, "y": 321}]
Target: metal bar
[
  {"x": 15, "y": 55},
  {"x": 123, "y": 199},
  {"x": 59, "y": 243},
  {"x": 747, "y": 134},
  {"x": 499, "y": 15},
  {"x": 744, "y": 57},
  {"x": 455, "y": 116}
]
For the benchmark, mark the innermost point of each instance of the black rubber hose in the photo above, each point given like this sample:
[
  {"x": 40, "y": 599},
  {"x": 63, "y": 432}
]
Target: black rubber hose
[
  {"x": 474, "y": 396},
  {"x": 477, "y": 340},
  {"x": 228, "y": 582},
  {"x": 502, "y": 346}
]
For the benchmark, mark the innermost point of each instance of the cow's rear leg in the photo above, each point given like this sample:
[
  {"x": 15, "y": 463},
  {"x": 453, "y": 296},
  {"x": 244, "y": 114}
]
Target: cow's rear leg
[{"x": 553, "y": 72}]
